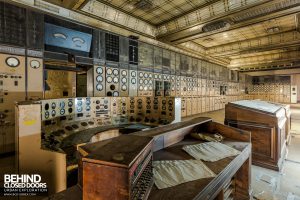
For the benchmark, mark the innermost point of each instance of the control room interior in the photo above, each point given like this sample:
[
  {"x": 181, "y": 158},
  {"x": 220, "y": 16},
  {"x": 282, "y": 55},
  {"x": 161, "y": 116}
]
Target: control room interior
[{"x": 151, "y": 99}]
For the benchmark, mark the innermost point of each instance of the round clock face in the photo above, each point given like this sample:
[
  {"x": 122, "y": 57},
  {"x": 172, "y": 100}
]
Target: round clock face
[
  {"x": 35, "y": 64},
  {"x": 12, "y": 62}
]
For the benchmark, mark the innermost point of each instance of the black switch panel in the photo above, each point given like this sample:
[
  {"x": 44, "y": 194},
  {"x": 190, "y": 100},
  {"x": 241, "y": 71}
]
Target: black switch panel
[
  {"x": 12, "y": 25},
  {"x": 112, "y": 47},
  {"x": 133, "y": 52},
  {"x": 35, "y": 30}
]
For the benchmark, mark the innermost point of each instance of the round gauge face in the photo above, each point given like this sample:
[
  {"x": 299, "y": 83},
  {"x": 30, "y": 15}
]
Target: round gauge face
[
  {"x": 133, "y": 81},
  {"x": 145, "y": 88},
  {"x": 146, "y": 75},
  {"x": 116, "y": 79},
  {"x": 141, "y": 88},
  {"x": 150, "y": 88},
  {"x": 79, "y": 109},
  {"x": 165, "y": 77},
  {"x": 88, "y": 108},
  {"x": 124, "y": 73},
  {"x": 12, "y": 61},
  {"x": 155, "y": 76},
  {"x": 62, "y": 104},
  {"x": 70, "y": 103},
  {"x": 133, "y": 73},
  {"x": 79, "y": 103},
  {"x": 141, "y": 74},
  {"x": 62, "y": 111},
  {"x": 88, "y": 102},
  {"x": 116, "y": 72},
  {"x": 109, "y": 79},
  {"x": 53, "y": 105},
  {"x": 115, "y": 94},
  {"x": 99, "y": 87},
  {"x": 124, "y": 87},
  {"x": 35, "y": 64},
  {"x": 150, "y": 75},
  {"x": 150, "y": 82},
  {"x": 99, "y": 70},
  {"x": 53, "y": 113},
  {"x": 141, "y": 81},
  {"x": 109, "y": 71},
  {"x": 145, "y": 81},
  {"x": 124, "y": 80},
  {"x": 173, "y": 78},
  {"x": 99, "y": 78},
  {"x": 46, "y": 114}
]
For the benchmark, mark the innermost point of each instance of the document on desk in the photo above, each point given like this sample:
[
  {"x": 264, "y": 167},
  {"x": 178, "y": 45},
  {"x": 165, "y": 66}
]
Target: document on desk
[
  {"x": 210, "y": 151},
  {"x": 168, "y": 173}
]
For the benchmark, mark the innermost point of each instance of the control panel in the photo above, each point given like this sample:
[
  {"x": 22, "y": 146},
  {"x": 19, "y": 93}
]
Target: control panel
[
  {"x": 12, "y": 89},
  {"x": 133, "y": 81},
  {"x": 124, "y": 83},
  {"x": 99, "y": 80},
  {"x": 145, "y": 83},
  {"x": 112, "y": 81},
  {"x": 34, "y": 79},
  {"x": 119, "y": 110}
]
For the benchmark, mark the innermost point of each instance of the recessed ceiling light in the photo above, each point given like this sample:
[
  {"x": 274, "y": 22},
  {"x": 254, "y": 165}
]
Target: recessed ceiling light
[
  {"x": 273, "y": 29},
  {"x": 208, "y": 40}
]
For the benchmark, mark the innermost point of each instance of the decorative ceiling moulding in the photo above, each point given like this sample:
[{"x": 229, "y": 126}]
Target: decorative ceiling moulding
[
  {"x": 285, "y": 57},
  {"x": 105, "y": 12},
  {"x": 58, "y": 11},
  {"x": 286, "y": 7},
  {"x": 192, "y": 47},
  {"x": 217, "y": 9},
  {"x": 279, "y": 40}
]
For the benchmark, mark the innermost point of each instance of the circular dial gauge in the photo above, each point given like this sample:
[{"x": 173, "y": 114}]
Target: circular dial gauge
[
  {"x": 150, "y": 75},
  {"x": 99, "y": 70},
  {"x": 99, "y": 78},
  {"x": 12, "y": 61},
  {"x": 35, "y": 64},
  {"x": 124, "y": 73},
  {"x": 141, "y": 81},
  {"x": 124, "y": 80},
  {"x": 124, "y": 87},
  {"x": 109, "y": 71},
  {"x": 133, "y": 73},
  {"x": 116, "y": 79},
  {"x": 109, "y": 79},
  {"x": 133, "y": 81},
  {"x": 116, "y": 72},
  {"x": 141, "y": 74},
  {"x": 146, "y": 75},
  {"x": 99, "y": 87}
]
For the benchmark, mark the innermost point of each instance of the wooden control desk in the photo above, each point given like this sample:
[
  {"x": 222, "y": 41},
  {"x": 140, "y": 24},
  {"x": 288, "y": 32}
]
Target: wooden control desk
[
  {"x": 267, "y": 124},
  {"x": 233, "y": 173}
]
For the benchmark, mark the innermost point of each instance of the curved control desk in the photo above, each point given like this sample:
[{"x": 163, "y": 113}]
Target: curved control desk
[{"x": 233, "y": 173}]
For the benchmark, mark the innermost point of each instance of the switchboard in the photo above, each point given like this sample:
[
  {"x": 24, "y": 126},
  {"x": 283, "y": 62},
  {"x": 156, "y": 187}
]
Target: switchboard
[
  {"x": 99, "y": 80},
  {"x": 12, "y": 89},
  {"x": 112, "y": 75}
]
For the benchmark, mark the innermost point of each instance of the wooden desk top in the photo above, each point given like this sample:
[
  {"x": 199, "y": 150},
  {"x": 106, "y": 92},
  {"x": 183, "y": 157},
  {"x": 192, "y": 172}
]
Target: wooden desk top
[{"x": 202, "y": 188}]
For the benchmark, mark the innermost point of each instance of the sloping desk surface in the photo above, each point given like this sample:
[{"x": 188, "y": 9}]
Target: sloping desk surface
[{"x": 206, "y": 188}]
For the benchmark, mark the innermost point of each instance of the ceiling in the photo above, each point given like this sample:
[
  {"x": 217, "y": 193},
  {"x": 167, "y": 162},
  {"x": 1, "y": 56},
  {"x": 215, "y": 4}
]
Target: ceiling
[{"x": 244, "y": 35}]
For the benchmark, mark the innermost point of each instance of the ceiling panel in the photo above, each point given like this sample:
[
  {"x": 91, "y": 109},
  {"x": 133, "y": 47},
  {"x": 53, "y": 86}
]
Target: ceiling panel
[
  {"x": 265, "y": 28},
  {"x": 156, "y": 11}
]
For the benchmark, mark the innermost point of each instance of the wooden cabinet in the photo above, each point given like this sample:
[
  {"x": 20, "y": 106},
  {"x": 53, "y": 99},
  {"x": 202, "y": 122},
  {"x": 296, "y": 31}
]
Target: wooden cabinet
[
  {"x": 104, "y": 178},
  {"x": 267, "y": 124}
]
